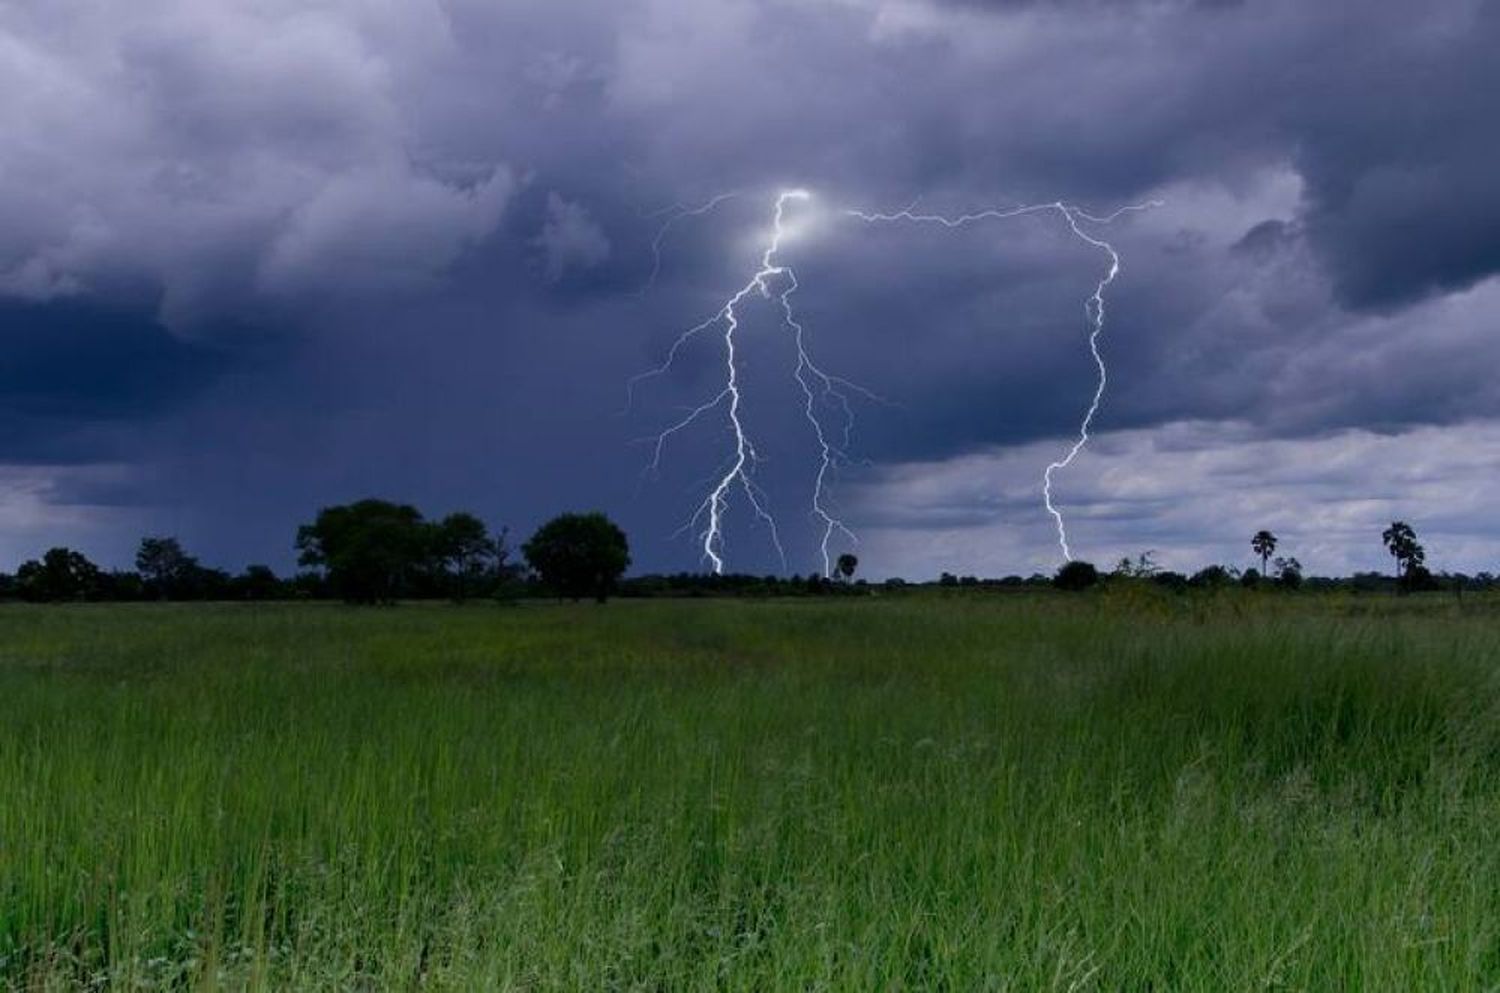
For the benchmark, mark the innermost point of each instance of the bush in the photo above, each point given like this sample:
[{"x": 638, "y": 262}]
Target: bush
[
  {"x": 1076, "y": 576},
  {"x": 1211, "y": 578}
]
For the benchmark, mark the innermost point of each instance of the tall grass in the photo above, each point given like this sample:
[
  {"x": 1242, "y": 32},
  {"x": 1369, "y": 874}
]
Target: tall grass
[{"x": 960, "y": 793}]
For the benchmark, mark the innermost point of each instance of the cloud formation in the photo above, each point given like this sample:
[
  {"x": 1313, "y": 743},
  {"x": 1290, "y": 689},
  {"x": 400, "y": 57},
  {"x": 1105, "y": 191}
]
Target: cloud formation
[
  {"x": 229, "y": 154},
  {"x": 1194, "y": 493},
  {"x": 570, "y": 239},
  {"x": 400, "y": 226}
]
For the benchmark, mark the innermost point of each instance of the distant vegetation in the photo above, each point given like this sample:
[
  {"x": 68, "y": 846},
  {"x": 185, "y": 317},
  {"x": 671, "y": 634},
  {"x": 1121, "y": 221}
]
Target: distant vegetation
[{"x": 379, "y": 552}]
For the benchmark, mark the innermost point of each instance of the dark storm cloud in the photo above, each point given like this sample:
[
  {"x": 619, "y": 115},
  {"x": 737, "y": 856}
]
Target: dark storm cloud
[
  {"x": 78, "y": 374},
  {"x": 75, "y": 360},
  {"x": 450, "y": 207}
]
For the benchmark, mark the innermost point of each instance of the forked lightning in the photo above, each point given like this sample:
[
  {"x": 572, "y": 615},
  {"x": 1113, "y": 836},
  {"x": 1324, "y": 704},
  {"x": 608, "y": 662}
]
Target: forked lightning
[
  {"x": 777, "y": 280},
  {"x": 1093, "y": 310},
  {"x": 772, "y": 280}
]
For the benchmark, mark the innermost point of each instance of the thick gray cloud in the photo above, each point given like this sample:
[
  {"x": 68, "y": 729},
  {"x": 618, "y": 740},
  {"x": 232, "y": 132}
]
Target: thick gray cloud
[
  {"x": 258, "y": 256},
  {"x": 229, "y": 155}
]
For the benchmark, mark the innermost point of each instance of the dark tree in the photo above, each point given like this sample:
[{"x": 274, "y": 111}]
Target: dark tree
[
  {"x": 1288, "y": 573},
  {"x": 370, "y": 551},
  {"x": 465, "y": 548},
  {"x": 1169, "y": 580},
  {"x": 62, "y": 574},
  {"x": 1401, "y": 541},
  {"x": 167, "y": 571},
  {"x": 1419, "y": 579},
  {"x": 579, "y": 555},
  {"x": 257, "y": 582},
  {"x": 1263, "y": 544},
  {"x": 847, "y": 563},
  {"x": 1075, "y": 576},
  {"x": 1211, "y": 578},
  {"x": 120, "y": 585}
]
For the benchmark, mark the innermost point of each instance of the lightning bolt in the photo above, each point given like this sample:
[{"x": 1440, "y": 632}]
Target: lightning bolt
[
  {"x": 772, "y": 280},
  {"x": 1093, "y": 307},
  {"x": 673, "y": 214}
]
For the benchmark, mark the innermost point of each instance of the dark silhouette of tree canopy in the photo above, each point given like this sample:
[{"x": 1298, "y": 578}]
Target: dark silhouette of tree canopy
[
  {"x": 62, "y": 574},
  {"x": 370, "y": 550},
  {"x": 258, "y": 582},
  {"x": 1263, "y": 544},
  {"x": 1211, "y": 577},
  {"x": 846, "y": 565},
  {"x": 1288, "y": 573},
  {"x": 465, "y": 548},
  {"x": 166, "y": 570},
  {"x": 1076, "y": 576},
  {"x": 579, "y": 555},
  {"x": 1401, "y": 541}
]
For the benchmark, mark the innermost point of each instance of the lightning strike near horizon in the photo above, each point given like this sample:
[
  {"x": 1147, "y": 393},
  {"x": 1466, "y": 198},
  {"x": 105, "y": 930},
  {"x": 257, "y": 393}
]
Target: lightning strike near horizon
[
  {"x": 773, "y": 280},
  {"x": 1074, "y": 217}
]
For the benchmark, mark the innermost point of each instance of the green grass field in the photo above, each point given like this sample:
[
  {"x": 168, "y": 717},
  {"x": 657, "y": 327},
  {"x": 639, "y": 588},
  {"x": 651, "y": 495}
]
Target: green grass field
[{"x": 1033, "y": 792}]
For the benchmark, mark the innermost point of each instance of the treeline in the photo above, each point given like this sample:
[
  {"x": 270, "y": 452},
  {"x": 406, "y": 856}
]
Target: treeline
[
  {"x": 376, "y": 551},
  {"x": 371, "y": 551},
  {"x": 1284, "y": 571}
]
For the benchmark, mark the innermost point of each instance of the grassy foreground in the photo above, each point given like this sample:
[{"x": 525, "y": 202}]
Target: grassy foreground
[{"x": 961, "y": 793}]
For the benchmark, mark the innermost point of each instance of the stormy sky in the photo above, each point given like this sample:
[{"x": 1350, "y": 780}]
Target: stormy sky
[{"x": 258, "y": 256}]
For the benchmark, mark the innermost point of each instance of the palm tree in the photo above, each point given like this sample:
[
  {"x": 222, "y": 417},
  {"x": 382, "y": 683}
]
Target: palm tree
[
  {"x": 1401, "y": 541},
  {"x": 1263, "y": 544}
]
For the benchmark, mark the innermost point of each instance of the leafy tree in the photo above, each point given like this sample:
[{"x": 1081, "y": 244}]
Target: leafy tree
[
  {"x": 1211, "y": 577},
  {"x": 166, "y": 570},
  {"x": 207, "y": 584},
  {"x": 62, "y": 574},
  {"x": 465, "y": 548},
  {"x": 579, "y": 554},
  {"x": 120, "y": 585},
  {"x": 1263, "y": 544},
  {"x": 1401, "y": 541},
  {"x": 257, "y": 582},
  {"x": 847, "y": 563},
  {"x": 1076, "y": 576},
  {"x": 1250, "y": 578},
  {"x": 1288, "y": 573},
  {"x": 370, "y": 550},
  {"x": 1419, "y": 579}
]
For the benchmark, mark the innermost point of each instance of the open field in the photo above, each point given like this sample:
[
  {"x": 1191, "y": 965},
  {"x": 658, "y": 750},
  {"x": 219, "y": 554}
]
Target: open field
[{"x": 1026, "y": 792}]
